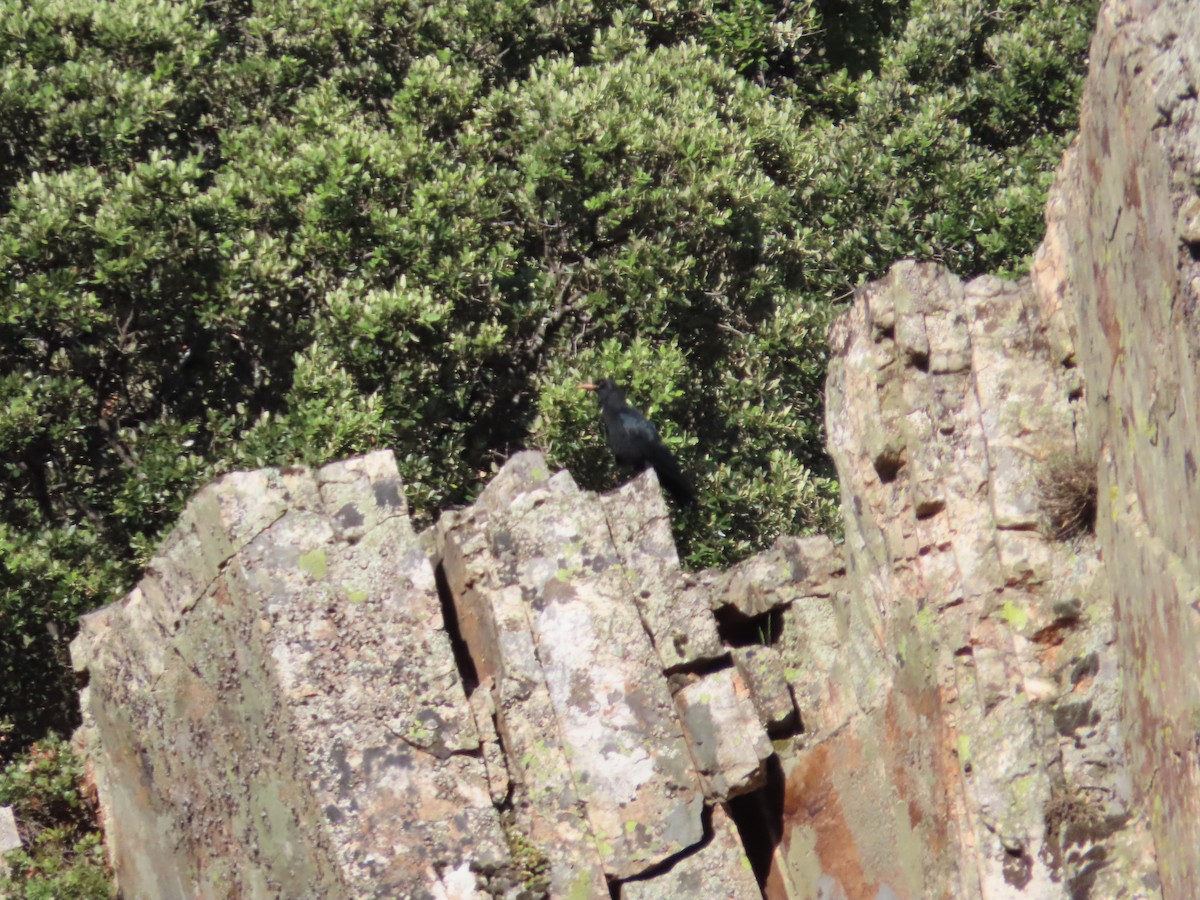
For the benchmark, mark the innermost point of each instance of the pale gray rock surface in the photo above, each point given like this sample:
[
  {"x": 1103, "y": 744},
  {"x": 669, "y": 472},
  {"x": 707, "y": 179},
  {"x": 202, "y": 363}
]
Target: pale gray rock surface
[
  {"x": 1121, "y": 263},
  {"x": 762, "y": 669},
  {"x": 282, "y": 679},
  {"x": 944, "y": 401},
  {"x": 10, "y": 838},
  {"x": 728, "y": 742},
  {"x": 719, "y": 871},
  {"x": 536, "y": 561},
  {"x": 275, "y": 710},
  {"x": 677, "y": 616}
]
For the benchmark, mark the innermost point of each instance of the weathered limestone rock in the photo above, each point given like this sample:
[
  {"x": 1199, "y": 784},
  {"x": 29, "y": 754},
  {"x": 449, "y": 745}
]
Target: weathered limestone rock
[
  {"x": 728, "y": 742},
  {"x": 10, "y": 839},
  {"x": 677, "y": 616},
  {"x": 793, "y": 568},
  {"x": 996, "y": 648},
  {"x": 828, "y": 647},
  {"x": 762, "y": 669},
  {"x": 1121, "y": 261},
  {"x": 494, "y": 620},
  {"x": 275, "y": 710},
  {"x": 545, "y": 602},
  {"x": 844, "y": 834},
  {"x": 943, "y": 401},
  {"x": 719, "y": 871},
  {"x": 278, "y": 710}
]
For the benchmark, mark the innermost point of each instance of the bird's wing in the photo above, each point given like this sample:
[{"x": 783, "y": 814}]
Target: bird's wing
[{"x": 637, "y": 425}]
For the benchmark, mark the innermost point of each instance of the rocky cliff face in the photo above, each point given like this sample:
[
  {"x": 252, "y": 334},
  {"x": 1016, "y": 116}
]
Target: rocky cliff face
[
  {"x": 1122, "y": 259},
  {"x": 995, "y": 724},
  {"x": 972, "y": 697}
]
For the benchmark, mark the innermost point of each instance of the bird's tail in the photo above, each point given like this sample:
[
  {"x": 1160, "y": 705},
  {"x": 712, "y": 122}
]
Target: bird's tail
[{"x": 671, "y": 477}]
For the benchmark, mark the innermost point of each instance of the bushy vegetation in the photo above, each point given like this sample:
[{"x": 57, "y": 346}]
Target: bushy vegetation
[
  {"x": 235, "y": 234},
  {"x": 63, "y": 856}
]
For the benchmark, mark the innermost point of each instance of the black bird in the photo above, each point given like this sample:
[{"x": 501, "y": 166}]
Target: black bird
[{"x": 635, "y": 443}]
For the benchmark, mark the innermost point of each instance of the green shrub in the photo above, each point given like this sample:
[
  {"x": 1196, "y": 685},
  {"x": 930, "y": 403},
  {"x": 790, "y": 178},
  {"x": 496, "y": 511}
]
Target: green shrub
[{"x": 63, "y": 857}]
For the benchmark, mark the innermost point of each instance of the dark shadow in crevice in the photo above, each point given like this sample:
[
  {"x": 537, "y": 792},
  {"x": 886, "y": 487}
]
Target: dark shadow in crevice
[
  {"x": 706, "y": 666},
  {"x": 927, "y": 509},
  {"x": 703, "y": 666},
  {"x": 792, "y": 726},
  {"x": 680, "y": 677},
  {"x": 462, "y": 655},
  {"x": 758, "y": 816},
  {"x": 740, "y": 630},
  {"x": 888, "y": 465}
]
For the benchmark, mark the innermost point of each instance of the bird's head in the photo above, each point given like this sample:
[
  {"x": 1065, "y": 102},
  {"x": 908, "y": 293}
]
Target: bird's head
[{"x": 604, "y": 388}]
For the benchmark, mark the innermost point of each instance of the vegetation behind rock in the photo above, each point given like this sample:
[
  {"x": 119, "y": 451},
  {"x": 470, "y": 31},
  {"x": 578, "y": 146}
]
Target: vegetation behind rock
[{"x": 244, "y": 234}]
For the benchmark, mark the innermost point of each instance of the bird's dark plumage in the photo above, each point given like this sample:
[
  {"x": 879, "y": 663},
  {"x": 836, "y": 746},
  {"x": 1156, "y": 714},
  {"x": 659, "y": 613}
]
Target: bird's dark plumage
[{"x": 635, "y": 443}]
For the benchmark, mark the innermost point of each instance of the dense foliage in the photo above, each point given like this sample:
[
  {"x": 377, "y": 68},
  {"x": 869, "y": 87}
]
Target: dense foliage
[
  {"x": 63, "y": 856},
  {"x": 245, "y": 233}
]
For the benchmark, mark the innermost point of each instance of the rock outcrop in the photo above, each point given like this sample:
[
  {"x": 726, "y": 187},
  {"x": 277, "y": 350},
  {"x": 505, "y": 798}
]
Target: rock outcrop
[
  {"x": 276, "y": 708},
  {"x": 991, "y": 729},
  {"x": 280, "y": 708},
  {"x": 989, "y": 690},
  {"x": 1122, "y": 260},
  {"x": 9, "y": 838}
]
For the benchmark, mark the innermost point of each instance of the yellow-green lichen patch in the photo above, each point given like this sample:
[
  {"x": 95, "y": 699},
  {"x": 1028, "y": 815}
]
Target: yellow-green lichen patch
[
  {"x": 1023, "y": 787},
  {"x": 314, "y": 563},
  {"x": 964, "y": 750},
  {"x": 581, "y": 887},
  {"x": 1014, "y": 615}
]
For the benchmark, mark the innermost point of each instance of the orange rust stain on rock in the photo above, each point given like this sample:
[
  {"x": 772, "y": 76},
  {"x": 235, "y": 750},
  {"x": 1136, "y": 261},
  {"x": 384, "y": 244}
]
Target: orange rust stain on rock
[
  {"x": 898, "y": 737},
  {"x": 1053, "y": 634},
  {"x": 221, "y": 594},
  {"x": 1091, "y": 161},
  {"x": 1106, "y": 310},
  {"x": 1050, "y": 640},
  {"x": 923, "y": 766},
  {"x": 1048, "y": 655},
  {"x": 811, "y": 800}
]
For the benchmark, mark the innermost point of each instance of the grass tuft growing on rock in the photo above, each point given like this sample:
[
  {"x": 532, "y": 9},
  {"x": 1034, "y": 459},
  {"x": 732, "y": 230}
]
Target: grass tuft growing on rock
[{"x": 1066, "y": 491}]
